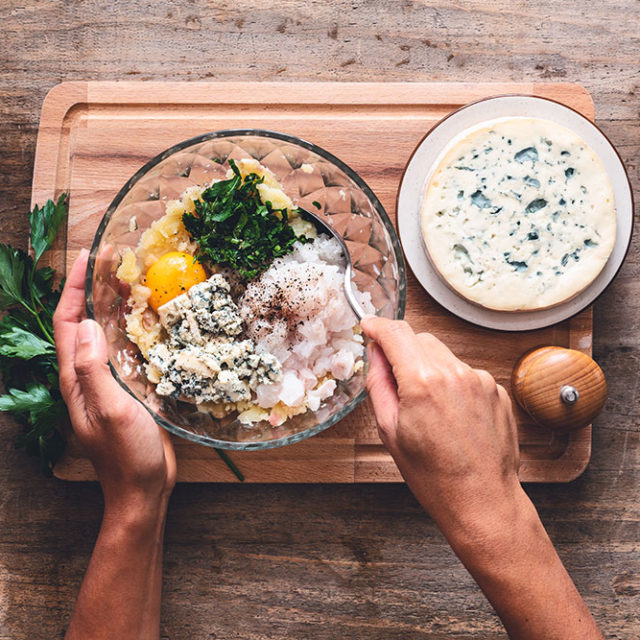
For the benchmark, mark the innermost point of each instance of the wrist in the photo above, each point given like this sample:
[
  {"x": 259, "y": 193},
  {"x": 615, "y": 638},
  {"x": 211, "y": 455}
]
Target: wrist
[
  {"x": 503, "y": 531},
  {"x": 135, "y": 510},
  {"x": 468, "y": 508}
]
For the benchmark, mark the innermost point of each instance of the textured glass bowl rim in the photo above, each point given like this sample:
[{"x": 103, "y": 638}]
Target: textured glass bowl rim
[{"x": 237, "y": 133}]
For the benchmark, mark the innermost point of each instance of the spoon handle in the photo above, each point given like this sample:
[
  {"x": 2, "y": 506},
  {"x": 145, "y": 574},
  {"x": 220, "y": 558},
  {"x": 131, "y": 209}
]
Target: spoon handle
[{"x": 349, "y": 292}]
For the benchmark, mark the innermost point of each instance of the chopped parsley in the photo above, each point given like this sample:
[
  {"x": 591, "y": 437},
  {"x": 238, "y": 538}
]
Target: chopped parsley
[{"x": 234, "y": 228}]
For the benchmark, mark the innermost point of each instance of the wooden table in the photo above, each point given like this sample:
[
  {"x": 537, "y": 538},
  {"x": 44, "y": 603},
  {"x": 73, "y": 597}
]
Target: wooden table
[{"x": 343, "y": 561}]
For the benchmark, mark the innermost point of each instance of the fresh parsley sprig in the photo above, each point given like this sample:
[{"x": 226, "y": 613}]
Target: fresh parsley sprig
[
  {"x": 234, "y": 228},
  {"x": 28, "y": 363}
]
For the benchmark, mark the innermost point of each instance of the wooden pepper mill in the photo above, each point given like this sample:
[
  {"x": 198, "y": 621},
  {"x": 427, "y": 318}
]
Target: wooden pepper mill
[{"x": 561, "y": 389}]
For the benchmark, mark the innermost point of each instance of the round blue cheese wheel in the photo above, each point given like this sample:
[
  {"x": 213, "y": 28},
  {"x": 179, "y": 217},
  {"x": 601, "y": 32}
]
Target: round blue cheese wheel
[{"x": 519, "y": 215}]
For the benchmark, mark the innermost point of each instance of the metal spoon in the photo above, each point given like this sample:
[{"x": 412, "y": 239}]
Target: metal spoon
[{"x": 349, "y": 288}]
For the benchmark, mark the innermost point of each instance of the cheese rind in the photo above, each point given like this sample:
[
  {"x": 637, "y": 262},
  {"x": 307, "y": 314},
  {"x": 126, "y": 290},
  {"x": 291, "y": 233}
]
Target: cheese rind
[{"x": 519, "y": 215}]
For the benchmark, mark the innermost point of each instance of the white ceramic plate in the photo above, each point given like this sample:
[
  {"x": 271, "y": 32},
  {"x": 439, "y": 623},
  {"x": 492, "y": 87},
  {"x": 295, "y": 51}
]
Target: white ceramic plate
[{"x": 426, "y": 158}]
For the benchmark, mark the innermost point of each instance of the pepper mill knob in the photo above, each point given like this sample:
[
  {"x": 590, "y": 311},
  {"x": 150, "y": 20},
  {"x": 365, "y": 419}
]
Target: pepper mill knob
[{"x": 561, "y": 389}]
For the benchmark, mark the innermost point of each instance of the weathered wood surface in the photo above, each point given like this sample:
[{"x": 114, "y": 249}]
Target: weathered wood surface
[
  {"x": 94, "y": 135},
  {"x": 342, "y": 561}
]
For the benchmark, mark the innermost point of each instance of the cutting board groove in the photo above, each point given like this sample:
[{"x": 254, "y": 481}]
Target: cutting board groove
[{"x": 94, "y": 135}]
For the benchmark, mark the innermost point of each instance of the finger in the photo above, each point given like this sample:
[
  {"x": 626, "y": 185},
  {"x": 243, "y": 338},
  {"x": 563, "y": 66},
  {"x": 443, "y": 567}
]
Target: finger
[
  {"x": 383, "y": 391},
  {"x": 170, "y": 458},
  {"x": 71, "y": 306},
  {"x": 69, "y": 312},
  {"x": 397, "y": 340},
  {"x": 102, "y": 394}
]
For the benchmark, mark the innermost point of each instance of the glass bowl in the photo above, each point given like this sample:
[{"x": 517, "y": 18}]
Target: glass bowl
[{"x": 308, "y": 174}]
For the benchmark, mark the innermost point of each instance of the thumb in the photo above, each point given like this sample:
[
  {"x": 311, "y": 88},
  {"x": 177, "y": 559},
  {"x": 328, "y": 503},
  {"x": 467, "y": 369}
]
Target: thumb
[
  {"x": 102, "y": 394},
  {"x": 383, "y": 392}
]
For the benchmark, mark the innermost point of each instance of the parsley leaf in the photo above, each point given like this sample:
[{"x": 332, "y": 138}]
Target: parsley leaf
[
  {"x": 34, "y": 400},
  {"x": 13, "y": 263},
  {"x": 234, "y": 228},
  {"x": 45, "y": 223},
  {"x": 16, "y": 342},
  {"x": 37, "y": 409}
]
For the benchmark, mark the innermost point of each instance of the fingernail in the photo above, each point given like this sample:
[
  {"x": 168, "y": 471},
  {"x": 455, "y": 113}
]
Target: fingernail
[
  {"x": 83, "y": 253},
  {"x": 87, "y": 332}
]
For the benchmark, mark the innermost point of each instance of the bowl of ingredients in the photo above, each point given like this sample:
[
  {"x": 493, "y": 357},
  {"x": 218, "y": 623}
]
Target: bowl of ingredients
[
  {"x": 224, "y": 305},
  {"x": 515, "y": 212}
]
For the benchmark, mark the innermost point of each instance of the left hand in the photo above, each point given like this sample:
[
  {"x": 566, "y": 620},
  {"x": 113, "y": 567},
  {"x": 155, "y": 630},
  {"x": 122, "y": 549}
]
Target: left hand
[{"x": 132, "y": 455}]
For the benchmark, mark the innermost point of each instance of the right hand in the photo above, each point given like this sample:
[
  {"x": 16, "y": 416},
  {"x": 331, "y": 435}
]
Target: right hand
[{"x": 450, "y": 428}]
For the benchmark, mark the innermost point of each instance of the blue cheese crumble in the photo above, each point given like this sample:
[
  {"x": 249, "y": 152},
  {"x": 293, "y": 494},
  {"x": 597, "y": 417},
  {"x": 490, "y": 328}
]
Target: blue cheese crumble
[
  {"x": 201, "y": 359},
  {"x": 519, "y": 215}
]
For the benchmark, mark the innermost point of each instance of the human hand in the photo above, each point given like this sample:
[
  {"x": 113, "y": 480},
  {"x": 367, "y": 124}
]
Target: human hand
[
  {"x": 132, "y": 455},
  {"x": 452, "y": 432},
  {"x": 450, "y": 428}
]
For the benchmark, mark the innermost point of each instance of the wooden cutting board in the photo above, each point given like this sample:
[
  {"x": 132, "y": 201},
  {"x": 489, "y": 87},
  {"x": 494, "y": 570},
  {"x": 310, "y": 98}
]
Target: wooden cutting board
[{"x": 94, "y": 135}]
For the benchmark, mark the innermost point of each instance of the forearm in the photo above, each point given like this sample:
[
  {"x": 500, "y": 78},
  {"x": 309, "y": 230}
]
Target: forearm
[
  {"x": 151, "y": 615},
  {"x": 511, "y": 557},
  {"x": 120, "y": 594}
]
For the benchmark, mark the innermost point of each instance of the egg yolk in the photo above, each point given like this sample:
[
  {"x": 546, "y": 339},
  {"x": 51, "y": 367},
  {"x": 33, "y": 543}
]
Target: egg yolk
[{"x": 172, "y": 275}]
